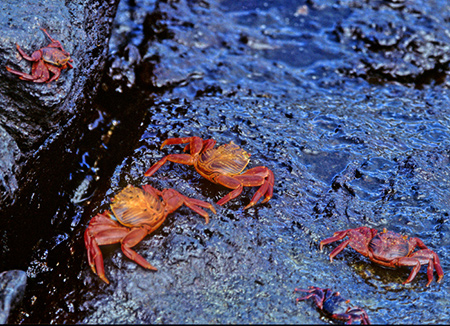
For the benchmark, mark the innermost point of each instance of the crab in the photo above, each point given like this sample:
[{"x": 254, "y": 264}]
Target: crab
[
  {"x": 135, "y": 213},
  {"x": 223, "y": 165},
  {"x": 389, "y": 249},
  {"x": 334, "y": 306},
  {"x": 52, "y": 58}
]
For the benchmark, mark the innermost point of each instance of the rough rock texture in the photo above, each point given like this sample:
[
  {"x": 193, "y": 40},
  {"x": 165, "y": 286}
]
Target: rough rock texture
[
  {"x": 40, "y": 122},
  {"x": 33, "y": 115},
  {"x": 344, "y": 153},
  {"x": 397, "y": 41},
  {"x": 12, "y": 289},
  {"x": 269, "y": 75}
]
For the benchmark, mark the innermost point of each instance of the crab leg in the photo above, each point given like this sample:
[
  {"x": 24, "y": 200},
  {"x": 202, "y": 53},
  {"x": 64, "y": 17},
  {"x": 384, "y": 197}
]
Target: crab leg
[
  {"x": 437, "y": 266},
  {"x": 193, "y": 204},
  {"x": 39, "y": 72},
  {"x": 336, "y": 237},
  {"x": 207, "y": 144},
  {"x": 338, "y": 249},
  {"x": 413, "y": 262},
  {"x": 235, "y": 193},
  {"x": 55, "y": 43},
  {"x": 101, "y": 231},
  {"x": 22, "y": 75},
  {"x": 176, "y": 158},
  {"x": 257, "y": 177},
  {"x": 36, "y": 56},
  {"x": 315, "y": 293},
  {"x": 339, "y": 235},
  {"x": 151, "y": 190},
  {"x": 316, "y": 298},
  {"x": 229, "y": 182},
  {"x": 408, "y": 261},
  {"x": 251, "y": 178},
  {"x": 270, "y": 181},
  {"x": 344, "y": 317},
  {"x": 258, "y": 194},
  {"x": 56, "y": 72},
  {"x": 195, "y": 143},
  {"x": 422, "y": 257},
  {"x": 359, "y": 312},
  {"x": 130, "y": 240},
  {"x": 38, "y": 69},
  {"x": 416, "y": 242},
  {"x": 352, "y": 314}
]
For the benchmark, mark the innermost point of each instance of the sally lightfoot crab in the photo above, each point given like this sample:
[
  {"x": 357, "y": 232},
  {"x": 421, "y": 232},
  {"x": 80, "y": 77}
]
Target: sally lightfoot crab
[
  {"x": 389, "y": 249},
  {"x": 222, "y": 165},
  {"x": 138, "y": 212},
  {"x": 334, "y": 306},
  {"x": 52, "y": 58}
]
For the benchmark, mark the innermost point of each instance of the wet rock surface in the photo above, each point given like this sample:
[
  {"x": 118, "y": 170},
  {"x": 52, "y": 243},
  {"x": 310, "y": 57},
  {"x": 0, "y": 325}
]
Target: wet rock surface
[
  {"x": 39, "y": 122},
  {"x": 32, "y": 112},
  {"x": 403, "y": 43},
  {"x": 275, "y": 78},
  {"x": 12, "y": 289}
]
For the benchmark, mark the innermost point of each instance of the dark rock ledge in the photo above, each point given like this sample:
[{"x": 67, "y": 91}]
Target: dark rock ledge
[{"x": 40, "y": 122}]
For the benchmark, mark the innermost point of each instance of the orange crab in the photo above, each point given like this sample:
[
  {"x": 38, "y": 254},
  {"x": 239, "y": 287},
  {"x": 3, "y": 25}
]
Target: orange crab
[
  {"x": 52, "y": 58},
  {"x": 222, "y": 165},
  {"x": 389, "y": 249},
  {"x": 138, "y": 212}
]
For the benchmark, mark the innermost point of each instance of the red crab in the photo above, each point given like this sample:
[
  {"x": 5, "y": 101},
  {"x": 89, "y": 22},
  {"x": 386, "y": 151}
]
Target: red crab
[
  {"x": 222, "y": 165},
  {"x": 139, "y": 212},
  {"x": 52, "y": 58},
  {"x": 388, "y": 249},
  {"x": 334, "y": 306}
]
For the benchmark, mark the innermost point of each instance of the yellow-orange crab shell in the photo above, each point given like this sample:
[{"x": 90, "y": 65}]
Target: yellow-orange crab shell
[
  {"x": 228, "y": 159},
  {"x": 55, "y": 57},
  {"x": 223, "y": 165},
  {"x": 135, "y": 213},
  {"x": 134, "y": 207}
]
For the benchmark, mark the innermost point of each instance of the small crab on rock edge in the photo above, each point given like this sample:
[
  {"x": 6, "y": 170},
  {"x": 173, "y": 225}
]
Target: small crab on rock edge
[{"x": 51, "y": 58}]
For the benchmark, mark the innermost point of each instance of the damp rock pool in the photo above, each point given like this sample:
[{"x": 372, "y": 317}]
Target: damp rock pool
[{"x": 352, "y": 117}]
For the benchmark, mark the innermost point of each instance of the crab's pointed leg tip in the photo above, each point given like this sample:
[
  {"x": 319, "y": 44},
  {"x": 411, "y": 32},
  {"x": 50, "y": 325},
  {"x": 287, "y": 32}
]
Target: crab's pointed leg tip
[
  {"x": 249, "y": 205},
  {"x": 93, "y": 269}
]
